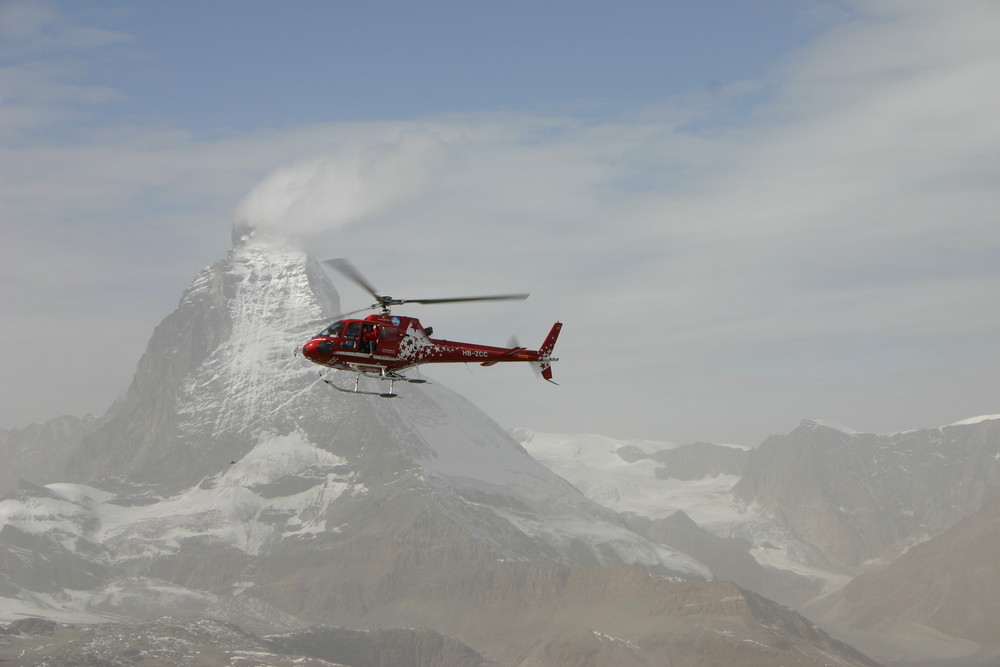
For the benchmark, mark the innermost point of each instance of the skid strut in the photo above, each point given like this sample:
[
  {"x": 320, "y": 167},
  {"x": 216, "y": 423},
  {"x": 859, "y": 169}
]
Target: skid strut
[{"x": 384, "y": 375}]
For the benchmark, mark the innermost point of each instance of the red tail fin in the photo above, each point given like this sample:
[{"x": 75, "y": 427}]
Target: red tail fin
[{"x": 545, "y": 352}]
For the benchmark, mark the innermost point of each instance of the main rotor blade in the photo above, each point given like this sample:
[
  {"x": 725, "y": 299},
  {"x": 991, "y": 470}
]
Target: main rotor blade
[
  {"x": 346, "y": 268},
  {"x": 313, "y": 324},
  {"x": 342, "y": 316},
  {"x": 494, "y": 297},
  {"x": 329, "y": 319}
]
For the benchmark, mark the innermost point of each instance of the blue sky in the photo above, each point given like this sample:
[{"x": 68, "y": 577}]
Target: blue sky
[
  {"x": 246, "y": 65},
  {"x": 746, "y": 214}
]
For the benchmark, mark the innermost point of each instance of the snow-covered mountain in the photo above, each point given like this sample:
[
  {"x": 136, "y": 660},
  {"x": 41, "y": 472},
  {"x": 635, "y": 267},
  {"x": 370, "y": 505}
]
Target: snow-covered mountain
[
  {"x": 230, "y": 484},
  {"x": 218, "y": 373},
  {"x": 683, "y": 494},
  {"x": 823, "y": 501},
  {"x": 645, "y": 477}
]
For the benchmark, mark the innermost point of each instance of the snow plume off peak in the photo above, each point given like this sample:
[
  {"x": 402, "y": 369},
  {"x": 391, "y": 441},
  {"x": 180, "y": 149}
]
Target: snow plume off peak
[{"x": 298, "y": 200}]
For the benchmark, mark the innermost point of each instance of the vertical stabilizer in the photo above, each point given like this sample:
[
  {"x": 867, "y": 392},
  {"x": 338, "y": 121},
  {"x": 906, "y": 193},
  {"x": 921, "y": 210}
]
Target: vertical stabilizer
[{"x": 545, "y": 352}]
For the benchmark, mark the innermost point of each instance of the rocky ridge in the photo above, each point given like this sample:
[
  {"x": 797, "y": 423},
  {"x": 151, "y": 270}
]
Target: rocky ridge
[
  {"x": 39, "y": 453},
  {"x": 865, "y": 498}
]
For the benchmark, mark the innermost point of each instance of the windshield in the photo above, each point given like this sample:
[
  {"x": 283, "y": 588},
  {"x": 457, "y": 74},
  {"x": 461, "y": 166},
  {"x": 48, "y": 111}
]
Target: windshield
[{"x": 334, "y": 330}]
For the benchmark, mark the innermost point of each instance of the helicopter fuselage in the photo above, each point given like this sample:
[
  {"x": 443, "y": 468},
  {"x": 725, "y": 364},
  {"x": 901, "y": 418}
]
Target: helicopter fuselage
[{"x": 386, "y": 342}]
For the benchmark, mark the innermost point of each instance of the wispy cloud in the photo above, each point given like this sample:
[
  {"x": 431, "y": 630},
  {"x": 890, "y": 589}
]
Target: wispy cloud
[
  {"x": 34, "y": 27},
  {"x": 44, "y": 53},
  {"x": 323, "y": 194}
]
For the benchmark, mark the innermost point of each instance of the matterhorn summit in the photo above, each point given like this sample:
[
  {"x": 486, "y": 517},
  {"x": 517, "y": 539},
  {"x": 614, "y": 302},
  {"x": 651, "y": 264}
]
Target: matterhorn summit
[
  {"x": 218, "y": 372},
  {"x": 231, "y": 484}
]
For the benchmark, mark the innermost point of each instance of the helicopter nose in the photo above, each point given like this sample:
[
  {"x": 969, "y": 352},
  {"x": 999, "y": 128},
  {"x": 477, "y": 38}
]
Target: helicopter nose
[
  {"x": 309, "y": 350},
  {"x": 317, "y": 350}
]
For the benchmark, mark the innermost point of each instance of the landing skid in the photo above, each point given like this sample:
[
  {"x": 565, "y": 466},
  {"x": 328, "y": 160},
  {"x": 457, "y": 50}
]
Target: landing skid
[
  {"x": 391, "y": 376},
  {"x": 356, "y": 390}
]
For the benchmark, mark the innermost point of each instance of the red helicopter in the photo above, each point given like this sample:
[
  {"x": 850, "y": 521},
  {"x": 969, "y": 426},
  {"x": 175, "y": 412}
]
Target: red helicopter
[{"x": 383, "y": 345}]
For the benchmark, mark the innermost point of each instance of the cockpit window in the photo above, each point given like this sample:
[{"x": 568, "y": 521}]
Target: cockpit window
[{"x": 334, "y": 330}]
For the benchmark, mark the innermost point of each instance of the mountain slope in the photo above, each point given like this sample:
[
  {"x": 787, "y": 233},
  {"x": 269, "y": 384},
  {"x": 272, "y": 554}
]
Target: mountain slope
[
  {"x": 169, "y": 643},
  {"x": 938, "y": 600}
]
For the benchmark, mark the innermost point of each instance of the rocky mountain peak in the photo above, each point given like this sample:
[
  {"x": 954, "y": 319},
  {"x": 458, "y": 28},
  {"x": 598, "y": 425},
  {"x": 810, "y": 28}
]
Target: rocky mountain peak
[{"x": 215, "y": 371}]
